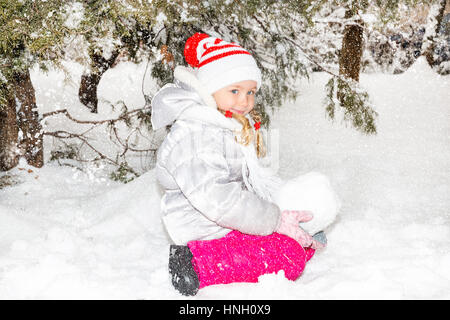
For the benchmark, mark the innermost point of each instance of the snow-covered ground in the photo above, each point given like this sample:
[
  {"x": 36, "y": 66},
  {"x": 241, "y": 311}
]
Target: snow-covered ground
[{"x": 65, "y": 234}]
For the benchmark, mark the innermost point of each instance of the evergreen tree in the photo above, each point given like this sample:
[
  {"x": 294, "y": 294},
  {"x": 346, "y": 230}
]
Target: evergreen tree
[
  {"x": 107, "y": 29},
  {"x": 30, "y": 34},
  {"x": 343, "y": 90},
  {"x": 349, "y": 96}
]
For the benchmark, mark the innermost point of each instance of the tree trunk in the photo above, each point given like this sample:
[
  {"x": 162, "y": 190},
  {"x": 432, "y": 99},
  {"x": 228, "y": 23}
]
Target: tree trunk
[
  {"x": 88, "y": 91},
  {"x": 9, "y": 130},
  {"x": 20, "y": 115},
  {"x": 352, "y": 49},
  {"x": 31, "y": 142},
  {"x": 429, "y": 50},
  {"x": 89, "y": 81}
]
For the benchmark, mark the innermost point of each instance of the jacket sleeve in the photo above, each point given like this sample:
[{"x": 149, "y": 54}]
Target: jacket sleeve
[{"x": 204, "y": 179}]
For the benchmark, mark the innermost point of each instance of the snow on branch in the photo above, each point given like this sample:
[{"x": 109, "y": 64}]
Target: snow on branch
[{"x": 129, "y": 125}]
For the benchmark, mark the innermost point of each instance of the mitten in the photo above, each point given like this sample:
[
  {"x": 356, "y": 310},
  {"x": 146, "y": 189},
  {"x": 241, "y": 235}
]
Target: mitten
[{"x": 289, "y": 226}]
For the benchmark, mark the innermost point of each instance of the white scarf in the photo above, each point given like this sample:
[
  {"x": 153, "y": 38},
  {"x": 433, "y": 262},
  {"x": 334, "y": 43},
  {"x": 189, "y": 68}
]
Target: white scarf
[{"x": 258, "y": 178}]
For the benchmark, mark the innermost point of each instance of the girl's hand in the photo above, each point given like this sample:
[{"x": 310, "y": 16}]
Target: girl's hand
[{"x": 289, "y": 226}]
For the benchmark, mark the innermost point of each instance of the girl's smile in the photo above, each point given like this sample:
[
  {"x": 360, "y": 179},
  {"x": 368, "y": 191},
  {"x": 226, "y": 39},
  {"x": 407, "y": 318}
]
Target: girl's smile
[
  {"x": 238, "y": 97},
  {"x": 236, "y": 111}
]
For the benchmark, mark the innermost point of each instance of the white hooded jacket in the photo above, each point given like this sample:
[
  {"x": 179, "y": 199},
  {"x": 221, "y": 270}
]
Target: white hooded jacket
[{"x": 201, "y": 168}]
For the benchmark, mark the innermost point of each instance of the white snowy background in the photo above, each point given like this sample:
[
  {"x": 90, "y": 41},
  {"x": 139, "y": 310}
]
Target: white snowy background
[{"x": 65, "y": 234}]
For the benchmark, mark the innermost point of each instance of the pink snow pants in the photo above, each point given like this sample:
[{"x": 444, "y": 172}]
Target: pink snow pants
[{"x": 239, "y": 257}]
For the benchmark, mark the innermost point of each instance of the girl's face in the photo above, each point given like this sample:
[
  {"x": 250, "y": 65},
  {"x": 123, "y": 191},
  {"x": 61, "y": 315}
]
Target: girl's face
[{"x": 238, "y": 97}]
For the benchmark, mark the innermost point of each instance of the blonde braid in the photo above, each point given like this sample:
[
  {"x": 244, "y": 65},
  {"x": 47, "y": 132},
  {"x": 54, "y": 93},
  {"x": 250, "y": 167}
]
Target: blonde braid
[
  {"x": 259, "y": 143},
  {"x": 247, "y": 133}
]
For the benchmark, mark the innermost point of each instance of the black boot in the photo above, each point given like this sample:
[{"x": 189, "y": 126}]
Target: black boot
[{"x": 184, "y": 278}]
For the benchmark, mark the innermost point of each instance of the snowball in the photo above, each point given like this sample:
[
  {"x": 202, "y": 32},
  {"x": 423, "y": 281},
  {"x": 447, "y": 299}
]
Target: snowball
[{"x": 312, "y": 192}]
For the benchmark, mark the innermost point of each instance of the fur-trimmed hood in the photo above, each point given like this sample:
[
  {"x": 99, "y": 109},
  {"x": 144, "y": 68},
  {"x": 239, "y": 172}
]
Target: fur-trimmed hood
[{"x": 186, "y": 99}]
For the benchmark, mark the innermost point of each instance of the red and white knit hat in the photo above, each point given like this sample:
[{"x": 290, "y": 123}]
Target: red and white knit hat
[{"x": 220, "y": 63}]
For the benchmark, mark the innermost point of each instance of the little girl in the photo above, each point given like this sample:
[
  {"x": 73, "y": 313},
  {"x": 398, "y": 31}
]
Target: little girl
[{"x": 218, "y": 207}]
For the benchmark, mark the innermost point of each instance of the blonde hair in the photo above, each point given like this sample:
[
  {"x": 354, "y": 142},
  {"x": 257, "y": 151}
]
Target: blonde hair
[{"x": 249, "y": 134}]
